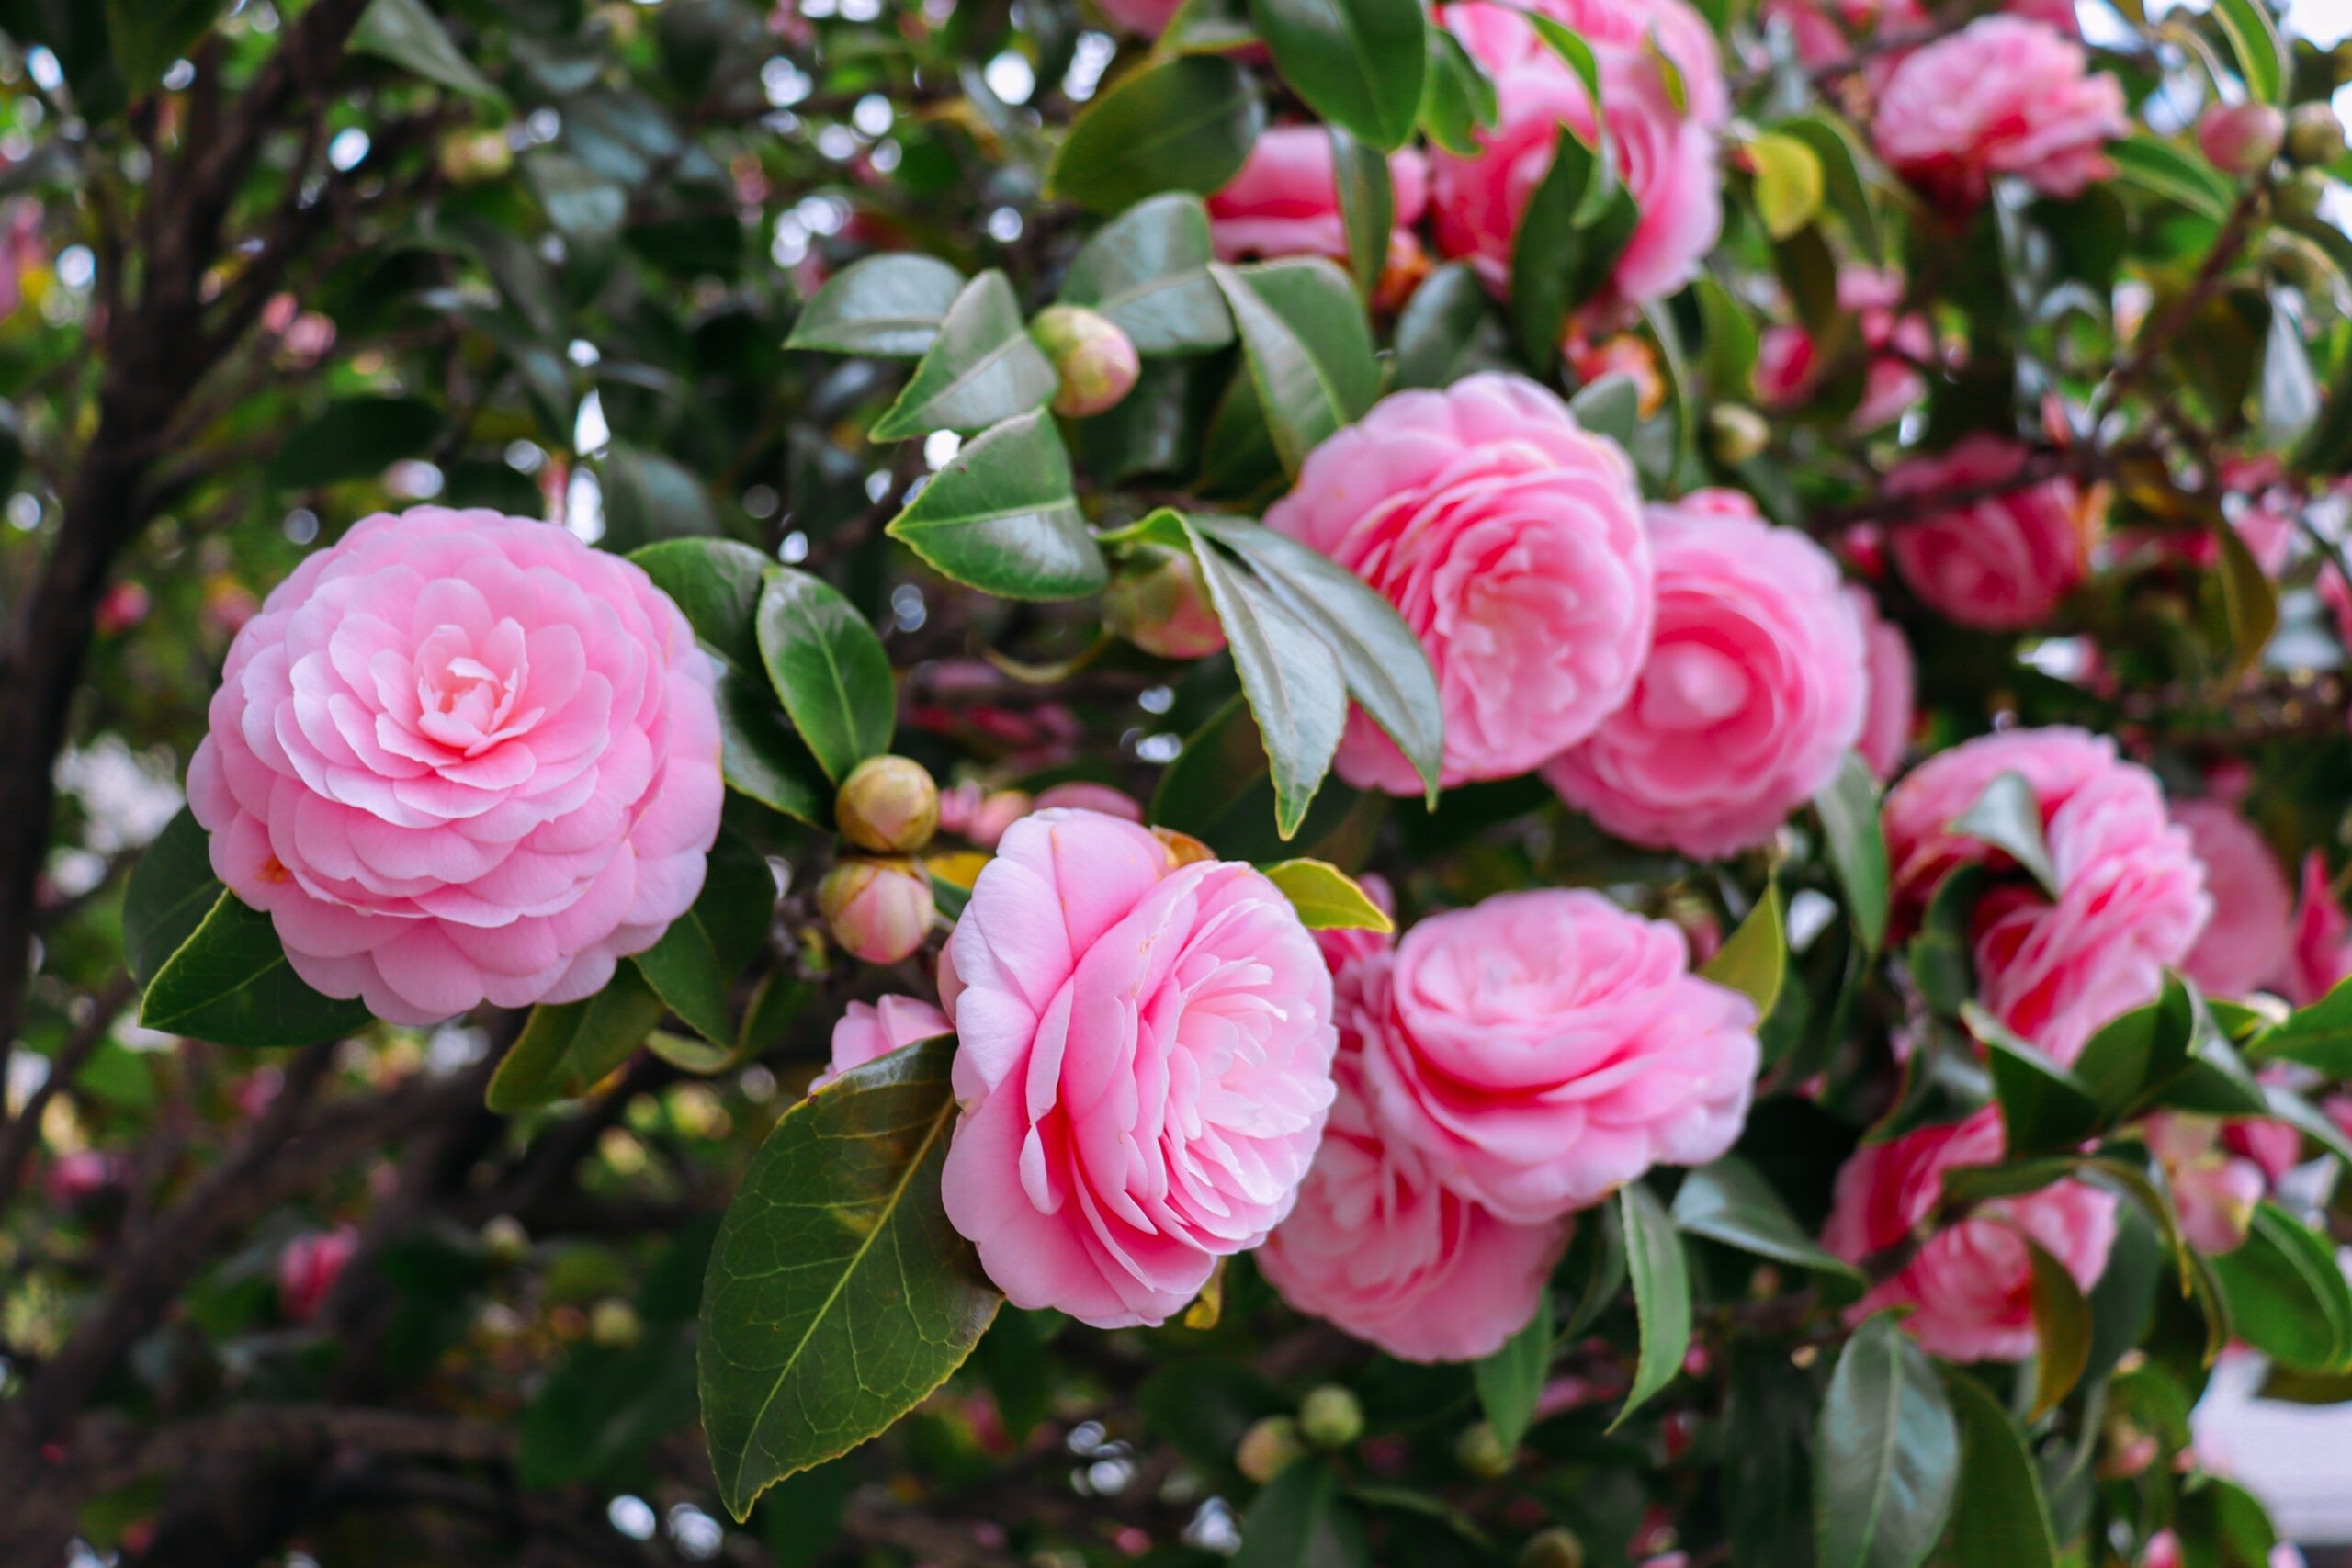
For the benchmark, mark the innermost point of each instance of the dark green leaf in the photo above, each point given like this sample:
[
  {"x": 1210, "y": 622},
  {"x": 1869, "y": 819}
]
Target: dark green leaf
[
  {"x": 1768, "y": 1464},
  {"x": 407, "y": 33},
  {"x": 1661, "y": 1277},
  {"x": 2287, "y": 1294},
  {"x": 1551, "y": 253},
  {"x": 566, "y": 1048},
  {"x": 1857, "y": 847},
  {"x": 982, "y": 368},
  {"x": 1002, "y": 518},
  {"x": 2318, "y": 1036},
  {"x": 585, "y": 206},
  {"x": 355, "y": 438},
  {"x": 695, "y": 965},
  {"x": 1511, "y": 1380},
  {"x": 1886, "y": 1461},
  {"x": 149, "y": 35},
  {"x": 2044, "y": 1106},
  {"x": 1446, "y": 330},
  {"x": 649, "y": 497},
  {"x": 2008, "y": 816},
  {"x": 1731, "y": 1202},
  {"x": 2061, "y": 1330},
  {"x": 1754, "y": 959},
  {"x": 2249, "y": 599},
  {"x": 828, "y": 667},
  {"x": 1358, "y": 64},
  {"x": 1183, "y": 125},
  {"x": 1301, "y": 1519},
  {"x": 1147, "y": 272},
  {"x": 230, "y": 983},
  {"x": 170, "y": 890},
  {"x": 1458, "y": 96},
  {"x": 1308, "y": 348},
  {"x": 885, "y": 305},
  {"x": 1367, "y": 208},
  {"x": 2000, "y": 1518}
]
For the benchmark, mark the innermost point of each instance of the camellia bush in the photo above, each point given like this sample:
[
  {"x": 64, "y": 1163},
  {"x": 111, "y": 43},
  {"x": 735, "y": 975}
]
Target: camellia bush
[{"x": 1317, "y": 780}]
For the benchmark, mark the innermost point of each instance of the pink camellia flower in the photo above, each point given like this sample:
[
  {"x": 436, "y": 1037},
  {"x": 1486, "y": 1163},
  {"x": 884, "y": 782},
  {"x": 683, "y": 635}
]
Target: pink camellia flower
[
  {"x": 1143, "y": 1064},
  {"x": 1971, "y": 1286},
  {"x": 1498, "y": 37},
  {"x": 2319, "y": 944},
  {"x": 2273, "y": 1145},
  {"x": 1666, "y": 157},
  {"x": 1752, "y": 692},
  {"x": 2244, "y": 944},
  {"x": 2004, "y": 560},
  {"x": 461, "y": 756},
  {"x": 1145, "y": 18},
  {"x": 1286, "y": 199},
  {"x": 1890, "y": 710},
  {"x": 1785, "y": 361},
  {"x": 2213, "y": 1193},
  {"x": 867, "y": 1031},
  {"x": 308, "y": 1268},
  {"x": 73, "y": 1179},
  {"x": 2004, "y": 96},
  {"x": 1511, "y": 542},
  {"x": 1543, "y": 1049},
  {"x": 1085, "y": 797},
  {"x": 1377, "y": 1246}
]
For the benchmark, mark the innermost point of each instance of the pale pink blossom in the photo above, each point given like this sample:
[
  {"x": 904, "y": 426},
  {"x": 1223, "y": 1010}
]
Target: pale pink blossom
[
  {"x": 867, "y": 1032},
  {"x": 2001, "y": 562},
  {"x": 2244, "y": 944},
  {"x": 2004, "y": 96},
  {"x": 1890, "y": 711},
  {"x": 1284, "y": 201}
]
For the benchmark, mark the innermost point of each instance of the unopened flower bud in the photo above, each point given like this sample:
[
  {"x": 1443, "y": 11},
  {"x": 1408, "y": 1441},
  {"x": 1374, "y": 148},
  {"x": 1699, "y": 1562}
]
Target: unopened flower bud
[
  {"x": 889, "y": 804},
  {"x": 1158, "y": 603},
  {"x": 471, "y": 157},
  {"x": 121, "y": 607},
  {"x": 503, "y": 1237},
  {"x": 2239, "y": 139},
  {"x": 1737, "y": 433},
  {"x": 880, "y": 910},
  {"x": 2315, "y": 136},
  {"x": 1480, "y": 1449},
  {"x": 2298, "y": 200},
  {"x": 1267, "y": 1449},
  {"x": 1096, "y": 361},
  {"x": 1329, "y": 1417},
  {"x": 614, "y": 1323},
  {"x": 1555, "y": 1548}
]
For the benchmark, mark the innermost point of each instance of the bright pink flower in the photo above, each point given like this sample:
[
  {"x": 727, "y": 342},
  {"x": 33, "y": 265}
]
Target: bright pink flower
[
  {"x": 2002, "y": 561},
  {"x": 2213, "y": 1193},
  {"x": 867, "y": 1032},
  {"x": 2055, "y": 762},
  {"x": 1511, "y": 542},
  {"x": 1971, "y": 1285},
  {"x": 75, "y": 1179},
  {"x": 2273, "y": 1145},
  {"x": 1377, "y": 1246},
  {"x": 1616, "y": 30},
  {"x": 1086, "y": 797},
  {"x": 1752, "y": 692},
  {"x": 1143, "y": 1064},
  {"x": 2319, "y": 945},
  {"x": 2004, "y": 96},
  {"x": 1285, "y": 200},
  {"x": 1785, "y": 362},
  {"x": 308, "y": 1268},
  {"x": 1888, "y": 715},
  {"x": 1145, "y": 18},
  {"x": 461, "y": 756},
  {"x": 1543, "y": 1049},
  {"x": 2244, "y": 944}
]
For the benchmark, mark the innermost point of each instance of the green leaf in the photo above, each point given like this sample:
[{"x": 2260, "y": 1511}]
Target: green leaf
[
  {"x": 2162, "y": 169},
  {"x": 2261, "y": 52},
  {"x": 1327, "y": 898},
  {"x": 1002, "y": 518},
  {"x": 1220, "y": 790},
  {"x": 649, "y": 497},
  {"x": 697, "y": 959},
  {"x": 1458, "y": 96},
  {"x": 839, "y": 1296},
  {"x": 408, "y": 34},
  {"x": 2318, "y": 1036},
  {"x": 1999, "y": 1518},
  {"x": 1661, "y": 1277},
  {"x": 887, "y": 305},
  {"x": 1301, "y": 1519},
  {"x": 983, "y": 368},
  {"x": 1729, "y": 334},
  {"x": 2287, "y": 1106},
  {"x": 1767, "y": 1475},
  {"x": 2061, "y": 1330},
  {"x": 566, "y": 1048},
  {"x": 1510, "y": 1381},
  {"x": 1847, "y": 193},
  {"x": 2287, "y": 1294},
  {"x": 828, "y": 667},
  {"x": 147, "y": 36},
  {"x": 1575, "y": 222},
  {"x": 1610, "y": 406},
  {"x": 1357, "y": 63},
  {"x": 1367, "y": 208},
  {"x": 1754, "y": 959},
  {"x": 2044, "y": 1108},
  {"x": 1386, "y": 668},
  {"x": 1147, "y": 272},
  {"x": 1184, "y": 124},
  {"x": 228, "y": 982},
  {"x": 170, "y": 890},
  {"x": 2008, "y": 816},
  {"x": 355, "y": 438},
  {"x": 1290, "y": 677},
  {"x": 2288, "y": 393},
  {"x": 1856, "y": 844},
  {"x": 1446, "y": 330},
  {"x": 1788, "y": 182},
  {"x": 586, "y": 207},
  {"x": 1886, "y": 1460},
  {"x": 1731, "y": 1202},
  {"x": 1308, "y": 348}
]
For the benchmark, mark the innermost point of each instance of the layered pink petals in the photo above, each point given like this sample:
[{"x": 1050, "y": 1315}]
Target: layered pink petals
[
  {"x": 460, "y": 757},
  {"x": 2001, "y": 560},
  {"x": 1542, "y": 1049},
  {"x": 1286, "y": 199},
  {"x": 2243, "y": 947},
  {"x": 2004, "y": 96},
  {"x": 869, "y": 1030},
  {"x": 2319, "y": 944},
  {"x": 1754, "y": 688},
  {"x": 1890, "y": 708},
  {"x": 1511, "y": 542},
  {"x": 1143, "y": 1064}
]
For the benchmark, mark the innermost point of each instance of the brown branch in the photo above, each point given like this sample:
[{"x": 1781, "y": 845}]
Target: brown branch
[{"x": 16, "y": 1136}]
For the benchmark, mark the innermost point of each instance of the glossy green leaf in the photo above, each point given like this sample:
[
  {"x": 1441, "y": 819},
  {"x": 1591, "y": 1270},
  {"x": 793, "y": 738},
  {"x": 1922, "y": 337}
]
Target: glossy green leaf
[
  {"x": 2008, "y": 816},
  {"x": 1358, "y": 64},
  {"x": 2044, "y": 1106},
  {"x": 839, "y": 1296},
  {"x": 1754, "y": 959},
  {"x": 1661, "y": 1276},
  {"x": 566, "y": 1048},
  {"x": 586, "y": 207},
  {"x": 1510, "y": 1381},
  {"x": 1302, "y": 1519},
  {"x": 1308, "y": 348},
  {"x": 2061, "y": 1330},
  {"x": 1458, "y": 96},
  {"x": 228, "y": 982},
  {"x": 1856, "y": 845},
  {"x": 2287, "y": 1294},
  {"x": 1002, "y": 518},
  {"x": 170, "y": 890},
  {"x": 1326, "y": 898},
  {"x": 1729, "y": 338},
  {"x": 1788, "y": 182},
  {"x": 2160, "y": 168},
  {"x": 2287, "y": 395},
  {"x": 1731, "y": 1202},
  {"x": 2261, "y": 53},
  {"x": 1446, "y": 330},
  {"x": 1184, "y": 124},
  {"x": 1220, "y": 790},
  {"x": 1886, "y": 1453},
  {"x": 885, "y": 305},
  {"x": 982, "y": 368},
  {"x": 1575, "y": 222},
  {"x": 1999, "y": 1519},
  {"x": 1768, "y": 1465},
  {"x": 695, "y": 965},
  {"x": 409, "y": 35},
  {"x": 1367, "y": 208},
  {"x": 829, "y": 669},
  {"x": 1147, "y": 272},
  {"x": 2318, "y": 1036}
]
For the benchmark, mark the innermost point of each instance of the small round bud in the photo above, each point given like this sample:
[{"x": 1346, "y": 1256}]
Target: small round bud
[
  {"x": 2315, "y": 136},
  {"x": 1480, "y": 1449},
  {"x": 2241, "y": 138},
  {"x": 1555, "y": 1548},
  {"x": 473, "y": 157},
  {"x": 880, "y": 910},
  {"x": 1268, "y": 1448},
  {"x": 614, "y": 1323},
  {"x": 503, "y": 1237},
  {"x": 1096, "y": 361},
  {"x": 1159, "y": 602},
  {"x": 2298, "y": 200},
  {"x": 889, "y": 804},
  {"x": 1329, "y": 1417},
  {"x": 1737, "y": 433}
]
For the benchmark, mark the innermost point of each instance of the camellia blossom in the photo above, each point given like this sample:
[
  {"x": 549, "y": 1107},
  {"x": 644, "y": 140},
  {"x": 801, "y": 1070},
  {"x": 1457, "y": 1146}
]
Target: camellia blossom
[
  {"x": 1512, "y": 541},
  {"x": 308, "y": 1268},
  {"x": 2243, "y": 946},
  {"x": 2319, "y": 943},
  {"x": 2004, "y": 560},
  {"x": 460, "y": 757},
  {"x": 1286, "y": 199},
  {"x": 2003, "y": 96},
  {"x": 1143, "y": 1064},
  {"x": 1971, "y": 1285},
  {"x": 1542, "y": 1049},
  {"x": 867, "y": 1031},
  {"x": 2214, "y": 1191},
  {"x": 1752, "y": 692},
  {"x": 1145, "y": 18},
  {"x": 1890, "y": 708},
  {"x": 1500, "y": 37},
  {"x": 1785, "y": 361}
]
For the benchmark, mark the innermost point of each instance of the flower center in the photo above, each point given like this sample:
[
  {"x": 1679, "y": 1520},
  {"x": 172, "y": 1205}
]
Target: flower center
[
  {"x": 1689, "y": 685},
  {"x": 465, "y": 692}
]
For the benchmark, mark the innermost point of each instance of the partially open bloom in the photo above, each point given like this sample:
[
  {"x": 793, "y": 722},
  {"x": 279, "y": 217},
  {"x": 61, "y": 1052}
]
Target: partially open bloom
[
  {"x": 1543, "y": 1049},
  {"x": 461, "y": 756},
  {"x": 1144, "y": 1063},
  {"x": 1889, "y": 710},
  {"x": 1286, "y": 199},
  {"x": 308, "y": 1268},
  {"x": 2004, "y": 96},
  {"x": 2244, "y": 944},
  {"x": 2001, "y": 562},
  {"x": 867, "y": 1031},
  {"x": 1752, "y": 692},
  {"x": 1971, "y": 1284},
  {"x": 1511, "y": 542}
]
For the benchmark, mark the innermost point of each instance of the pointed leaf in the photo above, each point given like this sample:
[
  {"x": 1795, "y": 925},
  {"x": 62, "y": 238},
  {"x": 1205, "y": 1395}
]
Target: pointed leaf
[
  {"x": 1446, "y": 330},
  {"x": 2061, "y": 1330},
  {"x": 2044, "y": 1106},
  {"x": 1309, "y": 350},
  {"x": 2261, "y": 52},
  {"x": 1458, "y": 96},
  {"x": 983, "y": 368},
  {"x": 1002, "y": 518},
  {"x": 1327, "y": 898},
  {"x": 695, "y": 965},
  {"x": 2286, "y": 1293},
  {"x": 1358, "y": 64},
  {"x": 1856, "y": 844},
  {"x": 2000, "y": 1518},
  {"x": 1731, "y": 1202},
  {"x": 170, "y": 890},
  {"x": 410, "y": 36},
  {"x": 1754, "y": 959},
  {"x": 2008, "y": 816},
  {"x": 1184, "y": 124},
  {"x": 1147, "y": 272},
  {"x": 885, "y": 305},
  {"x": 566, "y": 1048},
  {"x": 1886, "y": 1461},
  {"x": 1661, "y": 1276},
  {"x": 1367, "y": 208},
  {"x": 230, "y": 983},
  {"x": 1302, "y": 1519},
  {"x": 1510, "y": 1381},
  {"x": 828, "y": 667}
]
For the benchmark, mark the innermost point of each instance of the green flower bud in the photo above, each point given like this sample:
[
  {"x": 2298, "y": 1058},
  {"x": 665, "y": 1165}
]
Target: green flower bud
[
  {"x": 1096, "y": 361},
  {"x": 2315, "y": 136},
  {"x": 1555, "y": 1548},
  {"x": 1737, "y": 433},
  {"x": 889, "y": 804},
  {"x": 1480, "y": 1449},
  {"x": 1159, "y": 602},
  {"x": 880, "y": 910},
  {"x": 1329, "y": 1417},
  {"x": 614, "y": 1323},
  {"x": 1267, "y": 1449}
]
